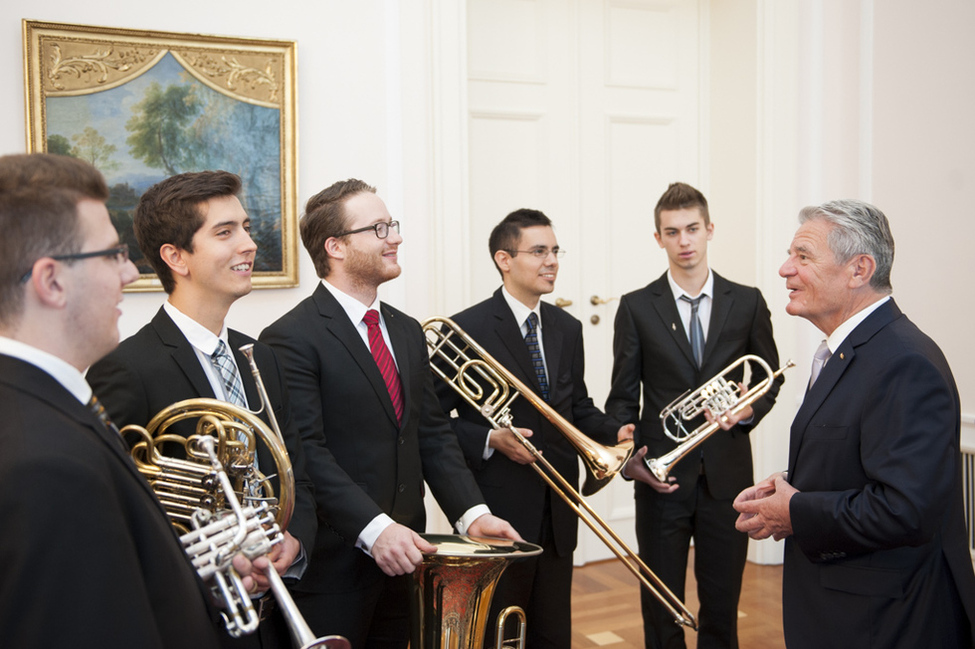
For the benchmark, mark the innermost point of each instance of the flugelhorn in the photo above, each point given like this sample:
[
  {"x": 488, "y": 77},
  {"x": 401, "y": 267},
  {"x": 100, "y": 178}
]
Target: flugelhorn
[
  {"x": 490, "y": 388},
  {"x": 718, "y": 396},
  {"x": 220, "y": 503}
]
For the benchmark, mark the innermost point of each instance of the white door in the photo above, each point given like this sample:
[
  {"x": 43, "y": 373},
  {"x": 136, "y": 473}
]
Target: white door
[{"x": 586, "y": 110}]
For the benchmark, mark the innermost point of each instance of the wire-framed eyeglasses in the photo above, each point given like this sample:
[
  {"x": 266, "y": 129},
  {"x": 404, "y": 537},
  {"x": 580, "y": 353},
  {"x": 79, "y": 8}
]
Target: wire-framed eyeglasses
[
  {"x": 119, "y": 252},
  {"x": 540, "y": 252},
  {"x": 381, "y": 229}
]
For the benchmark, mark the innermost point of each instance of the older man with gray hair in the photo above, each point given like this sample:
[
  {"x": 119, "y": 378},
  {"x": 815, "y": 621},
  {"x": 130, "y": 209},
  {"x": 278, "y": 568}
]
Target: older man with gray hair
[{"x": 871, "y": 505}]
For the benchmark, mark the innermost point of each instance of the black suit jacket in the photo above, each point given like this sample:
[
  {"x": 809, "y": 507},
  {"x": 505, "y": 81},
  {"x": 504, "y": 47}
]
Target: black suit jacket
[
  {"x": 513, "y": 491},
  {"x": 157, "y": 366},
  {"x": 879, "y": 542},
  {"x": 361, "y": 461},
  {"x": 90, "y": 558},
  {"x": 651, "y": 350}
]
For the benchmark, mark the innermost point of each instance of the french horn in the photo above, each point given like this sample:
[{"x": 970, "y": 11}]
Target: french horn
[{"x": 220, "y": 503}]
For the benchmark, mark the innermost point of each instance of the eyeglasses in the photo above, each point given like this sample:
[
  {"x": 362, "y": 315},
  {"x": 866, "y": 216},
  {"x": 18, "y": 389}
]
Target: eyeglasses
[
  {"x": 541, "y": 252},
  {"x": 381, "y": 229},
  {"x": 120, "y": 253}
]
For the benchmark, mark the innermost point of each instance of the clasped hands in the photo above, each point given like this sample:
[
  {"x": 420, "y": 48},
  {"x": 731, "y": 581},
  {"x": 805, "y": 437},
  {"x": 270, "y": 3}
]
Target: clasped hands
[{"x": 763, "y": 509}]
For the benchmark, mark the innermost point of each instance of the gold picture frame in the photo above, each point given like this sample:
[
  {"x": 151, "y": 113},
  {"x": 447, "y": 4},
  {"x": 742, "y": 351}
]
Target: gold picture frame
[{"x": 144, "y": 105}]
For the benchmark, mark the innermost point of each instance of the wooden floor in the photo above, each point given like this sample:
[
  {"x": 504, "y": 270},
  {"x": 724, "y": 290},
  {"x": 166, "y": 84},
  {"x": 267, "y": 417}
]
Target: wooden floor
[{"x": 606, "y": 607}]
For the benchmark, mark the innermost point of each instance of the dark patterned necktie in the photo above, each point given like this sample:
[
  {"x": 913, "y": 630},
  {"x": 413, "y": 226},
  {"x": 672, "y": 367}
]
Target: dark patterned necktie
[
  {"x": 228, "y": 373},
  {"x": 531, "y": 339},
  {"x": 697, "y": 331},
  {"x": 384, "y": 360},
  {"x": 96, "y": 407}
]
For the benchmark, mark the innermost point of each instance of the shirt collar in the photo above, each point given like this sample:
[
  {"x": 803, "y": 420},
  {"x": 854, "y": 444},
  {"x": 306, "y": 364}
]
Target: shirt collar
[
  {"x": 707, "y": 289},
  {"x": 63, "y": 372},
  {"x": 355, "y": 309},
  {"x": 519, "y": 310},
  {"x": 197, "y": 335},
  {"x": 839, "y": 334}
]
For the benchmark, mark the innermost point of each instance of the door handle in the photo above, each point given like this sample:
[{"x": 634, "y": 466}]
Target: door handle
[
  {"x": 561, "y": 302},
  {"x": 595, "y": 300}
]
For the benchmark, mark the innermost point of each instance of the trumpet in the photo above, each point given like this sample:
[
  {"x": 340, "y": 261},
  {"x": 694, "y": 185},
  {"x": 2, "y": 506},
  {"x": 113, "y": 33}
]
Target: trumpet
[
  {"x": 720, "y": 397},
  {"x": 221, "y": 504},
  {"x": 490, "y": 388}
]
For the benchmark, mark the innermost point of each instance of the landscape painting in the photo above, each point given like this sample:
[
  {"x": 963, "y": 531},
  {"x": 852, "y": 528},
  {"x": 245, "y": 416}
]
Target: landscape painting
[{"x": 142, "y": 106}]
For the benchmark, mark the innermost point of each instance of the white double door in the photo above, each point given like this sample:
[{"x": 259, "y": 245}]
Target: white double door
[{"x": 586, "y": 110}]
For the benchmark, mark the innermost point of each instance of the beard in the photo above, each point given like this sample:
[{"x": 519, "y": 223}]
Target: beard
[{"x": 370, "y": 269}]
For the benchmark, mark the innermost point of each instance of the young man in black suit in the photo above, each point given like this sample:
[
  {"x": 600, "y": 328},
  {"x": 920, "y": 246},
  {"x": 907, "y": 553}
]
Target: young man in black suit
[
  {"x": 526, "y": 253},
  {"x": 373, "y": 430},
  {"x": 195, "y": 233},
  {"x": 871, "y": 510},
  {"x": 671, "y": 337},
  {"x": 90, "y": 556}
]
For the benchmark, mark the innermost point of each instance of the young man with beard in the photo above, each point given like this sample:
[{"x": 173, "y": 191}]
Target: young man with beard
[
  {"x": 373, "y": 431},
  {"x": 194, "y": 231}
]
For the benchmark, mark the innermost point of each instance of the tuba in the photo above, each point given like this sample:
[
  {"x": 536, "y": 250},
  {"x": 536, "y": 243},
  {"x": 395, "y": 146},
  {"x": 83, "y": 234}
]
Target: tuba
[
  {"x": 490, "y": 388},
  {"x": 453, "y": 588},
  {"x": 719, "y": 397},
  {"x": 220, "y": 503}
]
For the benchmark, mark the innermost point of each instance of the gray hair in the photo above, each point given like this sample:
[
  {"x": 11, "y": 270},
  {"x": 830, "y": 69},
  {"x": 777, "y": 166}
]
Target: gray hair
[{"x": 859, "y": 228}]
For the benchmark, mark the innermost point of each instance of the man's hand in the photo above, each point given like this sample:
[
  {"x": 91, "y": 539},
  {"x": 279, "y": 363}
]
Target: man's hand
[
  {"x": 764, "y": 509},
  {"x": 625, "y": 433},
  {"x": 504, "y": 441},
  {"x": 727, "y": 420},
  {"x": 399, "y": 550},
  {"x": 637, "y": 469},
  {"x": 492, "y": 526},
  {"x": 281, "y": 556}
]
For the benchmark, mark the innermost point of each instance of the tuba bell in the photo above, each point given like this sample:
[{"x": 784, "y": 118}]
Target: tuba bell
[
  {"x": 220, "y": 503},
  {"x": 453, "y": 588}
]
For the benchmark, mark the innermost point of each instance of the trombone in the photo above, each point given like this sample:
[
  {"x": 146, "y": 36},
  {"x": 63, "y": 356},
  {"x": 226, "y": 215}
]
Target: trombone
[
  {"x": 718, "y": 396},
  {"x": 473, "y": 373}
]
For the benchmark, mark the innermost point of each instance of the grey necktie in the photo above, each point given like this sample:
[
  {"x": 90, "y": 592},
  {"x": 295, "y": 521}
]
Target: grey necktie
[
  {"x": 819, "y": 360},
  {"x": 228, "y": 373},
  {"x": 696, "y": 330}
]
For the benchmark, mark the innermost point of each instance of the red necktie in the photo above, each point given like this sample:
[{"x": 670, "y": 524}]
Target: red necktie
[{"x": 385, "y": 361}]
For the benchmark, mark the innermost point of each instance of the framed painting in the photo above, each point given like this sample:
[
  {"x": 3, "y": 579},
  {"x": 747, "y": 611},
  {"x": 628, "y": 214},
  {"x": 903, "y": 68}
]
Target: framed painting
[{"x": 144, "y": 105}]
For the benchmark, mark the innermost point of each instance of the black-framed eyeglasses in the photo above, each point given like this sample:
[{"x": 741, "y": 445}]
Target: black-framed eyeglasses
[
  {"x": 381, "y": 229},
  {"x": 540, "y": 252},
  {"x": 119, "y": 252}
]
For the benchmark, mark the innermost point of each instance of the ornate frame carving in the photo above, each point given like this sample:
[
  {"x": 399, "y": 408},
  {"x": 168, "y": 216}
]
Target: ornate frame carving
[{"x": 223, "y": 78}]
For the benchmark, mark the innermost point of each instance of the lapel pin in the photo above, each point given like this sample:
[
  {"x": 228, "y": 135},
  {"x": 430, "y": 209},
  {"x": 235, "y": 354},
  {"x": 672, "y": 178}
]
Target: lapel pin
[
  {"x": 673, "y": 326},
  {"x": 842, "y": 357}
]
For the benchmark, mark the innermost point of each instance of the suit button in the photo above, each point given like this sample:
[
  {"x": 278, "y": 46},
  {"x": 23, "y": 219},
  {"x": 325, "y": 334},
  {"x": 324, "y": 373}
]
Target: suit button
[{"x": 402, "y": 488}]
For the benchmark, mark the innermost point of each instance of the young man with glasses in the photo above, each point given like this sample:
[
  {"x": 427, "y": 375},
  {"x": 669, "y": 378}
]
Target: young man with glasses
[
  {"x": 90, "y": 556},
  {"x": 671, "y": 336},
  {"x": 542, "y": 346},
  {"x": 362, "y": 391},
  {"x": 196, "y": 235}
]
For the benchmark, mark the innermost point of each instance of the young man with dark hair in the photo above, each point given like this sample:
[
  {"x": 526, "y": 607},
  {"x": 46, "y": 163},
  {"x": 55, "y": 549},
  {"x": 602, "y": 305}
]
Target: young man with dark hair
[
  {"x": 195, "y": 233},
  {"x": 671, "y": 336},
  {"x": 373, "y": 431},
  {"x": 90, "y": 556},
  {"x": 542, "y": 346}
]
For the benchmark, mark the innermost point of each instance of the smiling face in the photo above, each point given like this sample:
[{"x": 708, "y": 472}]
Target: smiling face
[
  {"x": 96, "y": 284},
  {"x": 526, "y": 276},
  {"x": 219, "y": 268},
  {"x": 684, "y": 235},
  {"x": 366, "y": 260},
  {"x": 819, "y": 287}
]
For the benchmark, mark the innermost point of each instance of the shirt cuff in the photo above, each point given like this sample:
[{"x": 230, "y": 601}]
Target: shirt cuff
[
  {"x": 369, "y": 534},
  {"x": 470, "y": 516}
]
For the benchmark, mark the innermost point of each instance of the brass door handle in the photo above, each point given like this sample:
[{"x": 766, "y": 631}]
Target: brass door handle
[
  {"x": 595, "y": 300},
  {"x": 561, "y": 302}
]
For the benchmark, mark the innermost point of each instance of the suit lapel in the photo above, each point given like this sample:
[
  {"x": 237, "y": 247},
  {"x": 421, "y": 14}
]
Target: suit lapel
[
  {"x": 721, "y": 304},
  {"x": 337, "y": 322},
  {"x": 183, "y": 354},
  {"x": 834, "y": 370},
  {"x": 237, "y": 341},
  {"x": 666, "y": 309},
  {"x": 552, "y": 341},
  {"x": 509, "y": 332}
]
